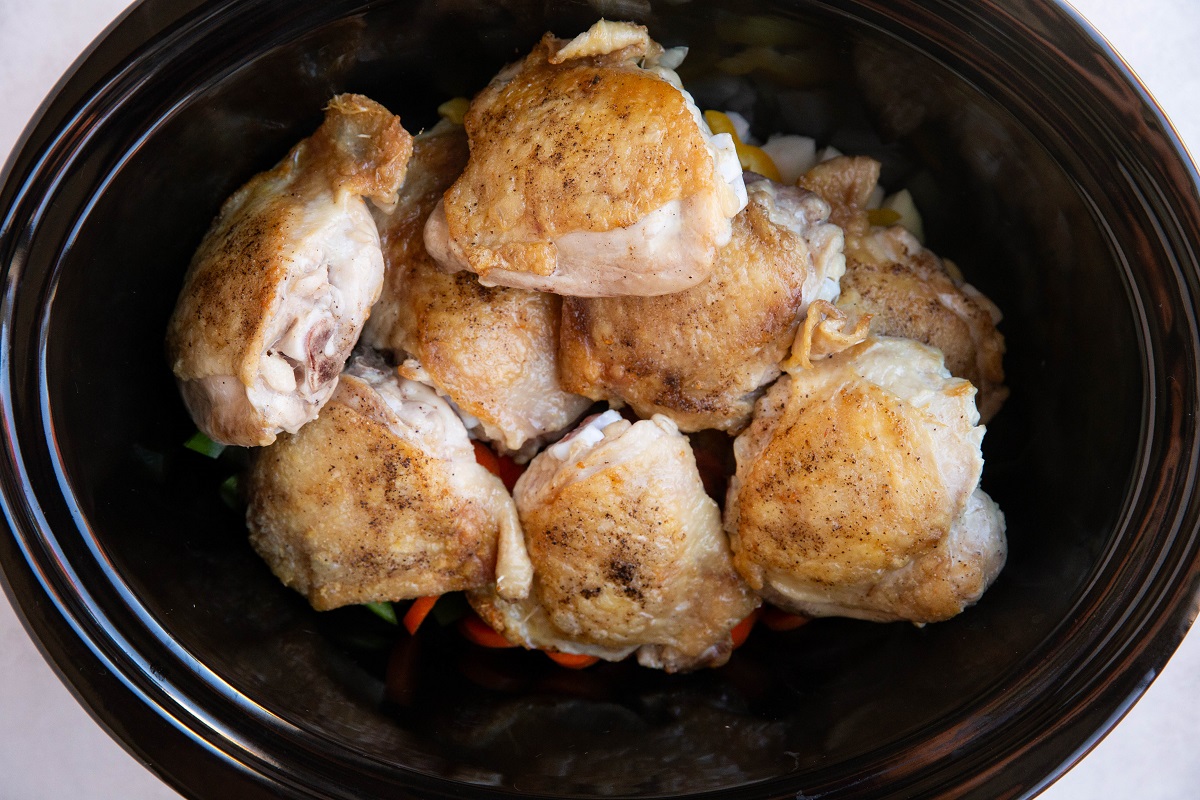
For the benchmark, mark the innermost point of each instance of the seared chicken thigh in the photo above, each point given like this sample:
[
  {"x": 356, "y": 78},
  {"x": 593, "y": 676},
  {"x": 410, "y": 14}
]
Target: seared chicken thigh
[
  {"x": 380, "y": 498},
  {"x": 493, "y": 351},
  {"x": 278, "y": 291},
  {"x": 702, "y": 356},
  {"x": 627, "y": 551},
  {"x": 907, "y": 289},
  {"x": 592, "y": 173},
  {"x": 857, "y": 489}
]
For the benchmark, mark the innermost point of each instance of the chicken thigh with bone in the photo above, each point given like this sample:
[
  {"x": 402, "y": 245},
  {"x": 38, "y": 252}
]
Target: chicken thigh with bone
[
  {"x": 702, "y": 356},
  {"x": 627, "y": 551},
  {"x": 278, "y": 291},
  {"x": 380, "y": 498},
  {"x": 592, "y": 173},
  {"x": 492, "y": 351},
  {"x": 857, "y": 489},
  {"x": 905, "y": 288}
]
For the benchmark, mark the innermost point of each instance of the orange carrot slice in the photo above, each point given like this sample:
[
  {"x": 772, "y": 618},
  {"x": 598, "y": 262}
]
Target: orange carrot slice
[
  {"x": 571, "y": 660},
  {"x": 776, "y": 619},
  {"x": 503, "y": 467},
  {"x": 509, "y": 471},
  {"x": 418, "y": 611},
  {"x": 479, "y": 632},
  {"x": 486, "y": 458},
  {"x": 742, "y": 629}
]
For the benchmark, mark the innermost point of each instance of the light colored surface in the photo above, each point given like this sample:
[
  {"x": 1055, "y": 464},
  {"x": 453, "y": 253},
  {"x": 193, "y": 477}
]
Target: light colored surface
[{"x": 50, "y": 748}]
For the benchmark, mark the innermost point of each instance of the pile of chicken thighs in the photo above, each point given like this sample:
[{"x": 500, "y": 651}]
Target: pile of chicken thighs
[{"x": 583, "y": 238}]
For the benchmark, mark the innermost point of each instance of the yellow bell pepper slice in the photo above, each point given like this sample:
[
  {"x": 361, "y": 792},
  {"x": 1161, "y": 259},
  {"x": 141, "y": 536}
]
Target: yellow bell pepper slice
[
  {"x": 721, "y": 123},
  {"x": 756, "y": 159},
  {"x": 454, "y": 110},
  {"x": 750, "y": 157},
  {"x": 883, "y": 216}
]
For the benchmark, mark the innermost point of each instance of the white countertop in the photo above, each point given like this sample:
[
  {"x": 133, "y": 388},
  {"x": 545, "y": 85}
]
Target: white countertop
[{"x": 50, "y": 748}]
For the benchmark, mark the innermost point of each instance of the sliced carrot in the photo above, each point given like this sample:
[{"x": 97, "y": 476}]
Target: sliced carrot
[
  {"x": 571, "y": 660},
  {"x": 479, "y": 632},
  {"x": 503, "y": 467},
  {"x": 742, "y": 629},
  {"x": 777, "y": 619},
  {"x": 417, "y": 612},
  {"x": 486, "y": 458},
  {"x": 509, "y": 471}
]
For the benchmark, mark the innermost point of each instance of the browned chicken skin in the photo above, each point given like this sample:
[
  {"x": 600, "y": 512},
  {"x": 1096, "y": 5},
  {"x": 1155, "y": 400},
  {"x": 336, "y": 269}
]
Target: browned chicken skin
[
  {"x": 626, "y": 549},
  {"x": 907, "y": 289},
  {"x": 856, "y": 492},
  {"x": 591, "y": 173},
  {"x": 379, "y": 498},
  {"x": 493, "y": 351},
  {"x": 585, "y": 170},
  {"x": 278, "y": 291},
  {"x": 703, "y": 355}
]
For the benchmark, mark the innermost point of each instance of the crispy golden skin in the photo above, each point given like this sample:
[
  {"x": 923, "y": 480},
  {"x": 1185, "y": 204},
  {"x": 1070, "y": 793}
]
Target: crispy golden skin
[
  {"x": 702, "y": 356},
  {"x": 627, "y": 553},
  {"x": 906, "y": 288},
  {"x": 856, "y": 492},
  {"x": 581, "y": 140},
  {"x": 438, "y": 159},
  {"x": 377, "y": 499},
  {"x": 277, "y": 293},
  {"x": 493, "y": 351}
]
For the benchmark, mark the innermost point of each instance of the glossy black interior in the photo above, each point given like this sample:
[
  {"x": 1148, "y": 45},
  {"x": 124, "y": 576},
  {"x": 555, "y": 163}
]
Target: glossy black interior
[{"x": 1042, "y": 173}]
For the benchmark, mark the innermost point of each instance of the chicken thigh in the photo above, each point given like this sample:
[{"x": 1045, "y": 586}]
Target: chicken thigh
[
  {"x": 592, "y": 173},
  {"x": 492, "y": 351},
  {"x": 380, "y": 498},
  {"x": 857, "y": 489},
  {"x": 906, "y": 289},
  {"x": 627, "y": 551},
  {"x": 702, "y": 356},
  {"x": 278, "y": 291}
]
